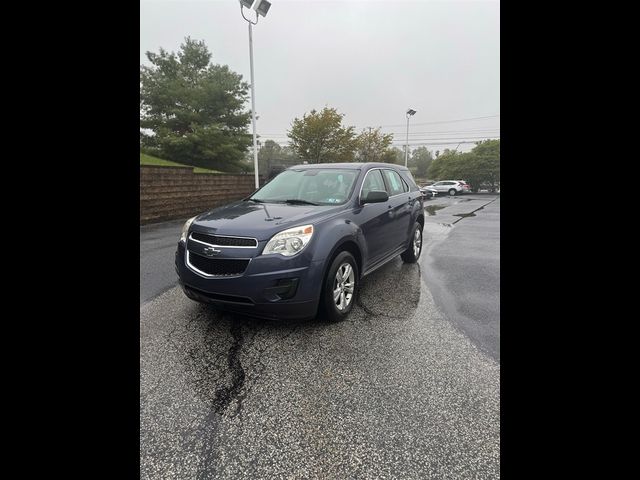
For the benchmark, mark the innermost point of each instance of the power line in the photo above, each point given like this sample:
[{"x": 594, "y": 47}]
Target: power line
[
  {"x": 443, "y": 121},
  {"x": 449, "y": 134},
  {"x": 439, "y": 132},
  {"x": 449, "y": 139},
  {"x": 424, "y": 144}
]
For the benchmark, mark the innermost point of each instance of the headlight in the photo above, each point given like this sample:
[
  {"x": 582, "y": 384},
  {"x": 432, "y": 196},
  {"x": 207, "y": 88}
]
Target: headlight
[
  {"x": 289, "y": 242},
  {"x": 185, "y": 229}
]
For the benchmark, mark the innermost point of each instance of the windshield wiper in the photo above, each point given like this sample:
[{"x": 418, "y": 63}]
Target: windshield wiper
[
  {"x": 299, "y": 201},
  {"x": 256, "y": 200}
]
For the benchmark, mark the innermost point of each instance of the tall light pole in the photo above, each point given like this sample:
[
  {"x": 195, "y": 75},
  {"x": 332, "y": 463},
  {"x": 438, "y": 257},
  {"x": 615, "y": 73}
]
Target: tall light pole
[
  {"x": 261, "y": 7},
  {"x": 410, "y": 113}
]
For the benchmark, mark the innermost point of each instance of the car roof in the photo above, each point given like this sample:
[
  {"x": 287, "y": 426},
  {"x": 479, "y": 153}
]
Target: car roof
[{"x": 350, "y": 165}]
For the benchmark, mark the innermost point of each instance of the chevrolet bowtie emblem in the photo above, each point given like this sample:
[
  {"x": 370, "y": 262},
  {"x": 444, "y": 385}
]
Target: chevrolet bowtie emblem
[{"x": 210, "y": 251}]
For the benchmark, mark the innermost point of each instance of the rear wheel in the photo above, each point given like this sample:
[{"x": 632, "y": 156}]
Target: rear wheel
[
  {"x": 453, "y": 192},
  {"x": 411, "y": 254},
  {"x": 340, "y": 287}
]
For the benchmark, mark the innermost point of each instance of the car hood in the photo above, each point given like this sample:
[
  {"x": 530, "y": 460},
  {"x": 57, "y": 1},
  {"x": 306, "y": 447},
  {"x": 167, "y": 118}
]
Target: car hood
[{"x": 260, "y": 220}]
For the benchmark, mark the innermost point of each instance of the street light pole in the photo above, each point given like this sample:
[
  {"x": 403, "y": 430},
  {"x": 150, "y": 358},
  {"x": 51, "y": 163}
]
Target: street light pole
[
  {"x": 253, "y": 108},
  {"x": 261, "y": 7},
  {"x": 410, "y": 113}
]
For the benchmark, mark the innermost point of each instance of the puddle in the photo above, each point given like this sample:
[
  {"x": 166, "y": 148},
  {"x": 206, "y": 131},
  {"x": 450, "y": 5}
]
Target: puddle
[{"x": 431, "y": 209}]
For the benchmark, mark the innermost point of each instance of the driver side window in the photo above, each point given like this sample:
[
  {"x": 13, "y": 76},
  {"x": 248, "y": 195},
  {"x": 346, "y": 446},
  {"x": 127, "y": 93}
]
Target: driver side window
[{"x": 373, "y": 181}]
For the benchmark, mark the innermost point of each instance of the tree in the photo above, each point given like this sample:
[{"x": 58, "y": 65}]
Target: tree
[
  {"x": 372, "y": 146},
  {"x": 487, "y": 162},
  {"x": 268, "y": 154},
  {"x": 272, "y": 156},
  {"x": 320, "y": 137},
  {"x": 422, "y": 159},
  {"x": 393, "y": 155},
  {"x": 479, "y": 166},
  {"x": 192, "y": 111}
]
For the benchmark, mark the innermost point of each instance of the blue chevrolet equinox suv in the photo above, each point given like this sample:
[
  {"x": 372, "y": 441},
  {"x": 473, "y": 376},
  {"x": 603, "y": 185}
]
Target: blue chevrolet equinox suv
[{"x": 302, "y": 242}]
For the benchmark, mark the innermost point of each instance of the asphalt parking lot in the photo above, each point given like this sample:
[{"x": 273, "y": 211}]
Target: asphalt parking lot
[{"x": 407, "y": 387}]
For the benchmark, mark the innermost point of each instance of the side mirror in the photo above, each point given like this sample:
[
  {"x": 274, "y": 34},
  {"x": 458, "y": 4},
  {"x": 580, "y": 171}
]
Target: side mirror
[{"x": 376, "y": 196}]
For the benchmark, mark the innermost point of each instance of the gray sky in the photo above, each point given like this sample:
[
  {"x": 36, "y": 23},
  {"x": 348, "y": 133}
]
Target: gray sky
[{"x": 369, "y": 59}]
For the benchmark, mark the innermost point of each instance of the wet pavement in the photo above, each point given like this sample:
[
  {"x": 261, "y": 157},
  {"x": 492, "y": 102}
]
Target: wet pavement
[
  {"x": 461, "y": 261},
  {"x": 401, "y": 389},
  {"x": 157, "y": 248}
]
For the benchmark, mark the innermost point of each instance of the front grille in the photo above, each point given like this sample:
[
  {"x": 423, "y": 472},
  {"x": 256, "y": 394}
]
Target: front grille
[
  {"x": 225, "y": 241},
  {"x": 218, "y": 266}
]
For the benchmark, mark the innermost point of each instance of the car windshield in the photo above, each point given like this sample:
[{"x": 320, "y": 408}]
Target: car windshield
[{"x": 313, "y": 186}]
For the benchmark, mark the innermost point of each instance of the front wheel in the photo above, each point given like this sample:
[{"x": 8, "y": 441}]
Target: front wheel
[
  {"x": 411, "y": 254},
  {"x": 340, "y": 287}
]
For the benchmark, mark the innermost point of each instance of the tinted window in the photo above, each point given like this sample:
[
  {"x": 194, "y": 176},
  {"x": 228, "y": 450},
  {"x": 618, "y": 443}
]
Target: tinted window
[
  {"x": 372, "y": 182},
  {"x": 395, "y": 183}
]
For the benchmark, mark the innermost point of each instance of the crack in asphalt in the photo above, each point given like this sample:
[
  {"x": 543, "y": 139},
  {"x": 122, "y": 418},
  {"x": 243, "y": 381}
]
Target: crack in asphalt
[
  {"x": 225, "y": 395},
  {"x": 225, "y": 365},
  {"x": 472, "y": 213},
  {"x": 258, "y": 366},
  {"x": 217, "y": 374},
  {"x": 237, "y": 390}
]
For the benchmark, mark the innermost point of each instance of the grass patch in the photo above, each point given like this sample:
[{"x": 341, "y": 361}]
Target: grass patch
[
  {"x": 204, "y": 170},
  {"x": 159, "y": 162}
]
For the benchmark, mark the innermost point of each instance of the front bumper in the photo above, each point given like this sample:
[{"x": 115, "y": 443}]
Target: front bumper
[{"x": 274, "y": 288}]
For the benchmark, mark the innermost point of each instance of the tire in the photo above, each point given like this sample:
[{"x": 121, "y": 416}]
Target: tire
[
  {"x": 412, "y": 254},
  {"x": 452, "y": 192},
  {"x": 329, "y": 305}
]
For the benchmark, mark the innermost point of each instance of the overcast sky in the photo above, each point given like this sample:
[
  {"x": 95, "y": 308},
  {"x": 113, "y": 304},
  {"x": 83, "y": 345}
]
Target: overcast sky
[{"x": 369, "y": 59}]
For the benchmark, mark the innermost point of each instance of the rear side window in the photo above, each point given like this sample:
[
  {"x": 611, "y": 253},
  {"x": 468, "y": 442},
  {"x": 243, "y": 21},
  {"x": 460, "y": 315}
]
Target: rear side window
[
  {"x": 372, "y": 182},
  {"x": 410, "y": 180},
  {"x": 395, "y": 183}
]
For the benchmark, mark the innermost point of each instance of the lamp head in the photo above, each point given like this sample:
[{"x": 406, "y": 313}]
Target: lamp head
[{"x": 262, "y": 7}]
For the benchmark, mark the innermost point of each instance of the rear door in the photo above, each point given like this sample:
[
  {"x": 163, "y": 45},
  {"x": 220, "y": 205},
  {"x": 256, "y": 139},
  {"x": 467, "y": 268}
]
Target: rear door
[
  {"x": 375, "y": 220},
  {"x": 401, "y": 204},
  {"x": 440, "y": 186}
]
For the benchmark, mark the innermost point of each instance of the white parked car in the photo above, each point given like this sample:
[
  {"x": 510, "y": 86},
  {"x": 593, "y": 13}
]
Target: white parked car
[
  {"x": 428, "y": 192},
  {"x": 452, "y": 187}
]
